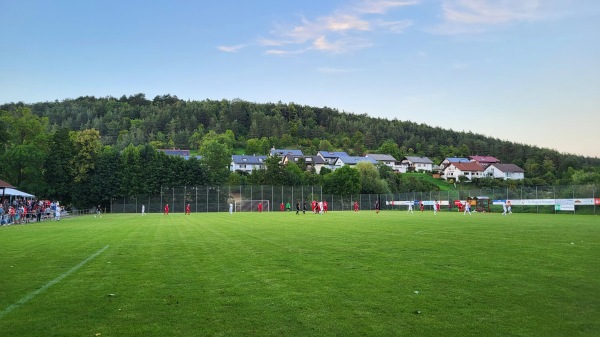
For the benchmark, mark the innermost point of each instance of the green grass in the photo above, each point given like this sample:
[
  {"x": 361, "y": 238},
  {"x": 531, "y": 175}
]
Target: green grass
[
  {"x": 442, "y": 184},
  {"x": 278, "y": 274}
]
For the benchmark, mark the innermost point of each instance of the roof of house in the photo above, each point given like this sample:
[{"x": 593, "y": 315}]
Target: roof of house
[
  {"x": 246, "y": 159},
  {"x": 419, "y": 160},
  {"x": 329, "y": 154},
  {"x": 353, "y": 160},
  {"x": 485, "y": 159},
  {"x": 457, "y": 160},
  {"x": 381, "y": 157},
  {"x": 188, "y": 157},
  {"x": 470, "y": 166},
  {"x": 175, "y": 152},
  {"x": 508, "y": 168},
  {"x": 307, "y": 159},
  {"x": 284, "y": 152}
]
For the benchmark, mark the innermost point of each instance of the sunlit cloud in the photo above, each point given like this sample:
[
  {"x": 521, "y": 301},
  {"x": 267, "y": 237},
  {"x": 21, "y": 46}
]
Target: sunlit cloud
[{"x": 344, "y": 30}]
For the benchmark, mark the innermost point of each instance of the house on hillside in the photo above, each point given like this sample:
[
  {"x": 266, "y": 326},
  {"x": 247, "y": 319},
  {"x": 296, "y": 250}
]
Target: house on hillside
[
  {"x": 330, "y": 158},
  {"x": 484, "y": 161},
  {"x": 352, "y": 161},
  {"x": 285, "y": 152},
  {"x": 468, "y": 170},
  {"x": 247, "y": 163},
  {"x": 179, "y": 153},
  {"x": 418, "y": 164},
  {"x": 175, "y": 152},
  {"x": 311, "y": 162},
  {"x": 505, "y": 171},
  {"x": 451, "y": 160},
  {"x": 388, "y": 161}
]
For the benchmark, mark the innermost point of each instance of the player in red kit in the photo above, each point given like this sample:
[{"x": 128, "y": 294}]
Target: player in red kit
[
  {"x": 260, "y": 207},
  {"x": 187, "y": 209},
  {"x": 356, "y": 206},
  {"x": 167, "y": 209},
  {"x": 282, "y": 207},
  {"x": 325, "y": 206}
]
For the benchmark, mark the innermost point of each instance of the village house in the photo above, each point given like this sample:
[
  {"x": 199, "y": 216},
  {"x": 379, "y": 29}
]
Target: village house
[
  {"x": 451, "y": 160},
  {"x": 352, "y": 161},
  {"x": 330, "y": 158},
  {"x": 246, "y": 163},
  {"x": 505, "y": 171},
  {"x": 311, "y": 162},
  {"x": 388, "y": 161},
  {"x": 484, "y": 161},
  {"x": 418, "y": 164},
  {"x": 468, "y": 170}
]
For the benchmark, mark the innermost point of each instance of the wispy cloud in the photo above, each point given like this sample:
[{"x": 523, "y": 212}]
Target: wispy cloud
[
  {"x": 489, "y": 12},
  {"x": 475, "y": 16},
  {"x": 346, "y": 29},
  {"x": 231, "y": 49}
]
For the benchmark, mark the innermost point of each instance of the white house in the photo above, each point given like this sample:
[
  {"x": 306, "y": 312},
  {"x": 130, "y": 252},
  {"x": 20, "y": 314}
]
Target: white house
[
  {"x": 505, "y": 171},
  {"x": 311, "y": 162},
  {"x": 388, "y": 160},
  {"x": 451, "y": 160},
  {"x": 247, "y": 163},
  {"x": 352, "y": 161},
  {"x": 418, "y": 163},
  {"x": 330, "y": 158},
  {"x": 468, "y": 170}
]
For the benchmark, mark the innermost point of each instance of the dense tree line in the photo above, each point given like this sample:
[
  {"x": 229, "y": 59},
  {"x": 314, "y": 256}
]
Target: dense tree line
[{"x": 88, "y": 148}]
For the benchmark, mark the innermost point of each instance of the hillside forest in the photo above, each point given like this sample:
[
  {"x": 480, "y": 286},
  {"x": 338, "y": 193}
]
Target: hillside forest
[{"x": 85, "y": 150}]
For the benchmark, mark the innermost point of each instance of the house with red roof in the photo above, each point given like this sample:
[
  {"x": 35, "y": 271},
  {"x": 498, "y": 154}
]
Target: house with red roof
[{"x": 484, "y": 161}]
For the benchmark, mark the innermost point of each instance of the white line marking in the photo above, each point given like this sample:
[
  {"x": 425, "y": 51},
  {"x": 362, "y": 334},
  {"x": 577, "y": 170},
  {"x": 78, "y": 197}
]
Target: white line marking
[{"x": 49, "y": 284}]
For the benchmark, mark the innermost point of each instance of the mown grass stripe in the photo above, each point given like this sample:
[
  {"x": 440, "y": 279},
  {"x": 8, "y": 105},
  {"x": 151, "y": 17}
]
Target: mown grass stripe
[{"x": 50, "y": 284}]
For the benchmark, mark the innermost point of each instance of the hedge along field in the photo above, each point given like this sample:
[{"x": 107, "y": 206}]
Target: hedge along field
[{"x": 273, "y": 274}]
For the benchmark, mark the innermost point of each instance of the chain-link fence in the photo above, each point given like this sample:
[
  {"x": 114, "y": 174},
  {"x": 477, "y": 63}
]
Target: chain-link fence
[{"x": 218, "y": 198}]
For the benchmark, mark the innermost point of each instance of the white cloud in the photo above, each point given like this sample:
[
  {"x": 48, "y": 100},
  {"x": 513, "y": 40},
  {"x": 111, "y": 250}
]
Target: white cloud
[
  {"x": 345, "y": 29},
  {"x": 231, "y": 49},
  {"x": 395, "y": 26},
  {"x": 381, "y": 6},
  {"x": 489, "y": 11}
]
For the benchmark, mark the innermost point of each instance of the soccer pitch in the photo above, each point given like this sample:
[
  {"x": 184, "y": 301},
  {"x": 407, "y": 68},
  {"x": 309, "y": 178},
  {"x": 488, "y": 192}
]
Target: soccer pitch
[{"x": 282, "y": 274}]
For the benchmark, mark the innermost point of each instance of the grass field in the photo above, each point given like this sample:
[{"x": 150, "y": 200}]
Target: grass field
[{"x": 279, "y": 274}]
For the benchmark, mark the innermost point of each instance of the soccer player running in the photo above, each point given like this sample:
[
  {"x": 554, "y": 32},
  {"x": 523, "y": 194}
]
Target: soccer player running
[
  {"x": 467, "y": 208},
  {"x": 377, "y": 206},
  {"x": 297, "y": 207}
]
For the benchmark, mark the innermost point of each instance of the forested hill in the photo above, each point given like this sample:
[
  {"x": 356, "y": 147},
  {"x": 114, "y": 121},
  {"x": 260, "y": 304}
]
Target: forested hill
[{"x": 167, "y": 121}]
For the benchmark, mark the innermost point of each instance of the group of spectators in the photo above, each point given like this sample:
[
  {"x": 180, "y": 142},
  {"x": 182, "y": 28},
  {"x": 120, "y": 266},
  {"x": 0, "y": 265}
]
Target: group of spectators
[{"x": 22, "y": 210}]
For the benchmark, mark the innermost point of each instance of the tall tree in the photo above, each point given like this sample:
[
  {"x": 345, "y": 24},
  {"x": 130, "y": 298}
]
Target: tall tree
[
  {"x": 217, "y": 157},
  {"x": 87, "y": 146},
  {"x": 57, "y": 168}
]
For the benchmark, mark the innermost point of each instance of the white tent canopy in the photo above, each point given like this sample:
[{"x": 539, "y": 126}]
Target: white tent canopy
[{"x": 17, "y": 193}]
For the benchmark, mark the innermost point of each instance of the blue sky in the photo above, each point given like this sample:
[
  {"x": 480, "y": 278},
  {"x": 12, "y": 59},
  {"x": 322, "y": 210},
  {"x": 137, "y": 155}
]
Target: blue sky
[{"x": 526, "y": 71}]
